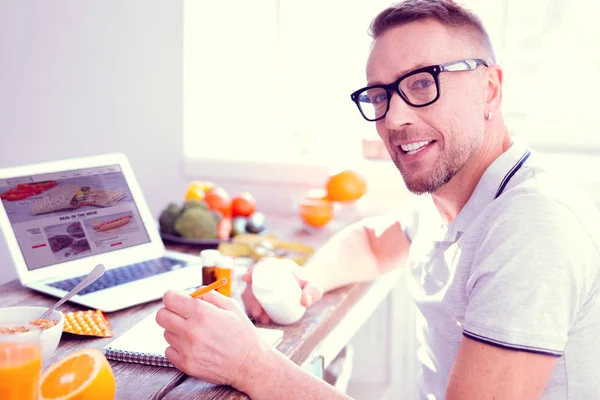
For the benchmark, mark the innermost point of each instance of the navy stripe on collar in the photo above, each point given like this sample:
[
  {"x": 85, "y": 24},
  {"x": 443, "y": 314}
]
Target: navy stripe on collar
[{"x": 511, "y": 173}]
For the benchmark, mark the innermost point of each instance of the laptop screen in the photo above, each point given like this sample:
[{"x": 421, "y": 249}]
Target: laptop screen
[{"x": 62, "y": 216}]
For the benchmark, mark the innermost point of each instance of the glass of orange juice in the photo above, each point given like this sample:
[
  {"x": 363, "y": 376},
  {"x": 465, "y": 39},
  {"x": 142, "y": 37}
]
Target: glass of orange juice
[{"x": 20, "y": 362}]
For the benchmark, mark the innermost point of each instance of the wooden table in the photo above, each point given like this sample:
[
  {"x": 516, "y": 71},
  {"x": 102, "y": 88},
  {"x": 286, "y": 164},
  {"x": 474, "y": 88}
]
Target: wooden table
[{"x": 313, "y": 342}]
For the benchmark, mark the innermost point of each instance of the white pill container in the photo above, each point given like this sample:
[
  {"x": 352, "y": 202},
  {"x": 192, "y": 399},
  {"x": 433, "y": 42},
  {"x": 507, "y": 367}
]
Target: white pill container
[{"x": 278, "y": 292}]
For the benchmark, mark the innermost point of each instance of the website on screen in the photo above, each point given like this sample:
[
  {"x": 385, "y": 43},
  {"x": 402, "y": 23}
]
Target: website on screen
[{"x": 58, "y": 217}]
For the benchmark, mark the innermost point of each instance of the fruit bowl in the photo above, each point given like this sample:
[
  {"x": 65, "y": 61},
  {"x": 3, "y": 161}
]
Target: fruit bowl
[
  {"x": 201, "y": 243},
  {"x": 208, "y": 217}
]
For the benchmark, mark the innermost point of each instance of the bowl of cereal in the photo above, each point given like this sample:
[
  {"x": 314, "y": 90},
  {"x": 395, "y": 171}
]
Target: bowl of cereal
[{"x": 24, "y": 318}]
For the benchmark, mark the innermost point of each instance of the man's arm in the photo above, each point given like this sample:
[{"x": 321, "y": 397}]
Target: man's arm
[
  {"x": 483, "y": 371},
  {"x": 274, "y": 376},
  {"x": 360, "y": 252}
]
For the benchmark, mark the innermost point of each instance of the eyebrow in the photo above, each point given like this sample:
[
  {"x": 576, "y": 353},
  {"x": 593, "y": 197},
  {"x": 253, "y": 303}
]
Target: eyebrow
[{"x": 404, "y": 72}]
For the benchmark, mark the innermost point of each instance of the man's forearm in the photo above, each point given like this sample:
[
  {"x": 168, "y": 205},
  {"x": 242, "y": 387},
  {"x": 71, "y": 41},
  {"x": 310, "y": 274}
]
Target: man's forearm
[
  {"x": 277, "y": 377},
  {"x": 361, "y": 252}
]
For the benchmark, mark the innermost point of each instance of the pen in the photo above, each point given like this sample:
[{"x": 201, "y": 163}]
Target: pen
[{"x": 205, "y": 289}]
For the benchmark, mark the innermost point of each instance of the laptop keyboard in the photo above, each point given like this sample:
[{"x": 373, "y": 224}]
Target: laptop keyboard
[{"x": 122, "y": 275}]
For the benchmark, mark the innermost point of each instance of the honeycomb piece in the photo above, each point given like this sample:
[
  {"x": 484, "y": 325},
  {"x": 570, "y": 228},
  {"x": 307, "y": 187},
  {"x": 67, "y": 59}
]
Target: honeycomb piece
[{"x": 89, "y": 323}]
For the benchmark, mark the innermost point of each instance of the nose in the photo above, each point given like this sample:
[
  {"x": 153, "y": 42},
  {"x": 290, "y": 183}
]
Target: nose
[{"x": 399, "y": 113}]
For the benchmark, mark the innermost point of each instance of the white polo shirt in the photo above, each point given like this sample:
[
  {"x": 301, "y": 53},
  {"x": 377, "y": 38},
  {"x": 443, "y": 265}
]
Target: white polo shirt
[{"x": 520, "y": 271}]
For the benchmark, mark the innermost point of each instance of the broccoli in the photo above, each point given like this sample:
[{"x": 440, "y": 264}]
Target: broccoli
[
  {"x": 196, "y": 223},
  {"x": 195, "y": 204}
]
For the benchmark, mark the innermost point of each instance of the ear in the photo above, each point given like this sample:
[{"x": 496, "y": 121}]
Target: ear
[{"x": 493, "y": 89}]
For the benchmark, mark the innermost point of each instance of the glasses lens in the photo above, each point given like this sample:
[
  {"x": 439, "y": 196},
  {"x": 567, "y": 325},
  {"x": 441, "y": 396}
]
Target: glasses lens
[
  {"x": 373, "y": 102},
  {"x": 419, "y": 88}
]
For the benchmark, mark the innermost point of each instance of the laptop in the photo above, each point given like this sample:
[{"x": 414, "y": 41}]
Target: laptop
[{"x": 60, "y": 219}]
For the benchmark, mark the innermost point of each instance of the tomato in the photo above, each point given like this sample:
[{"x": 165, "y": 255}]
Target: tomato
[
  {"x": 243, "y": 205},
  {"x": 15, "y": 196},
  {"x": 218, "y": 199}
]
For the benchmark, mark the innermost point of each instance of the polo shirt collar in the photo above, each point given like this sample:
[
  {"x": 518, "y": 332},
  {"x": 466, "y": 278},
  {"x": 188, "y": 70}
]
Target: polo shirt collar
[{"x": 494, "y": 177}]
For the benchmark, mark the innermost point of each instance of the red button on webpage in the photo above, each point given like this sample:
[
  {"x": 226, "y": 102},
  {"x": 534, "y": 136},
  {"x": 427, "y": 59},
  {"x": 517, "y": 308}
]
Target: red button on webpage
[
  {"x": 37, "y": 246},
  {"x": 116, "y": 244}
]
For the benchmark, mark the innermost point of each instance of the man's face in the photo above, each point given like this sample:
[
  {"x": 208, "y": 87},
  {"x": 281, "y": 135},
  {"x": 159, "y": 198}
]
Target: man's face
[{"x": 429, "y": 145}]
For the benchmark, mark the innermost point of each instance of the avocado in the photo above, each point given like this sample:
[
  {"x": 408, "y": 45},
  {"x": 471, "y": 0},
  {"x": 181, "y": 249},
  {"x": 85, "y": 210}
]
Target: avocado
[{"x": 167, "y": 218}]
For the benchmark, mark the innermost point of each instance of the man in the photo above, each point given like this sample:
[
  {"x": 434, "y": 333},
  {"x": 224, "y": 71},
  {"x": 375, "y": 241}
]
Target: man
[{"x": 504, "y": 270}]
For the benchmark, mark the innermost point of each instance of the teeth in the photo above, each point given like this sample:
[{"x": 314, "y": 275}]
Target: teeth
[{"x": 413, "y": 148}]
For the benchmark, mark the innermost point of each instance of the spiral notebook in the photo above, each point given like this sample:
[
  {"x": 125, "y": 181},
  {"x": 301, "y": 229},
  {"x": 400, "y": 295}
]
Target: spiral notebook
[{"x": 144, "y": 343}]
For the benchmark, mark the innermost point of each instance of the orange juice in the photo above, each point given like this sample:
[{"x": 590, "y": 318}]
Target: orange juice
[
  {"x": 20, "y": 362},
  {"x": 20, "y": 366}
]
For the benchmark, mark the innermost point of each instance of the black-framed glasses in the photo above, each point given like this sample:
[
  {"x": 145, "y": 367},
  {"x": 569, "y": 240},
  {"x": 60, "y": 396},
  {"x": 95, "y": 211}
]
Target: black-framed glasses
[{"x": 418, "y": 88}]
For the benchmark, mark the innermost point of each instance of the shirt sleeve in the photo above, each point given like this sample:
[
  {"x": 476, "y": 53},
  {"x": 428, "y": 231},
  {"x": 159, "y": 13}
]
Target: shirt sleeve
[{"x": 533, "y": 272}]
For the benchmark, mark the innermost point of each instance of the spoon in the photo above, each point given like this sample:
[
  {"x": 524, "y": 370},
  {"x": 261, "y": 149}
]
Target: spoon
[{"x": 91, "y": 277}]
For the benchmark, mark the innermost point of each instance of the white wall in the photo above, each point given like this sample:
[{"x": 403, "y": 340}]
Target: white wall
[{"x": 83, "y": 78}]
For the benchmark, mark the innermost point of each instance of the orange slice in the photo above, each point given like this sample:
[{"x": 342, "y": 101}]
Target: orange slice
[
  {"x": 83, "y": 375},
  {"x": 316, "y": 213}
]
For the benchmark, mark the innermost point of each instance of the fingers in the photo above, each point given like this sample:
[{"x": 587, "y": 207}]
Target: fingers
[
  {"x": 305, "y": 278},
  {"x": 264, "y": 318},
  {"x": 180, "y": 303},
  {"x": 253, "y": 308},
  {"x": 301, "y": 275},
  {"x": 175, "y": 357},
  {"x": 169, "y": 320},
  {"x": 311, "y": 291},
  {"x": 247, "y": 277},
  {"x": 173, "y": 339},
  {"x": 221, "y": 301},
  {"x": 310, "y": 295}
]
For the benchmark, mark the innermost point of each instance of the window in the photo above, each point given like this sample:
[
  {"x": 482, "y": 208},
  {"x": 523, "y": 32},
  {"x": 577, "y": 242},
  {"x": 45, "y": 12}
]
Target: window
[
  {"x": 548, "y": 51},
  {"x": 269, "y": 81}
]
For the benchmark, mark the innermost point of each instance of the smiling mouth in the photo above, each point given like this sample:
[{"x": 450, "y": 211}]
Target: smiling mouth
[{"x": 415, "y": 147}]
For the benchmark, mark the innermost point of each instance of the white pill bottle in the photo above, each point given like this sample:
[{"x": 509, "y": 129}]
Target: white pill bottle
[{"x": 277, "y": 290}]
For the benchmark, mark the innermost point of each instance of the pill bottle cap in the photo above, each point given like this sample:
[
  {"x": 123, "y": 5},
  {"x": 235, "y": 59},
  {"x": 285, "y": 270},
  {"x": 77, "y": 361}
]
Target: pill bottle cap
[{"x": 210, "y": 257}]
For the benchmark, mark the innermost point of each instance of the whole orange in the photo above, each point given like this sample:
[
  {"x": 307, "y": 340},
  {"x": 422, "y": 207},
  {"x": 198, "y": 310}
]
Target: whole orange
[{"x": 347, "y": 185}]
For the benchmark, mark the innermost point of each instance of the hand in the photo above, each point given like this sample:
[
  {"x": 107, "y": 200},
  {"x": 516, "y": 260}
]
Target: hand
[
  {"x": 210, "y": 338},
  {"x": 311, "y": 290}
]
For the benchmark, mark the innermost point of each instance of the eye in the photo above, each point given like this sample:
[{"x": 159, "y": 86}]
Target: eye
[
  {"x": 376, "y": 97},
  {"x": 364, "y": 98},
  {"x": 422, "y": 84},
  {"x": 379, "y": 98},
  {"x": 419, "y": 82}
]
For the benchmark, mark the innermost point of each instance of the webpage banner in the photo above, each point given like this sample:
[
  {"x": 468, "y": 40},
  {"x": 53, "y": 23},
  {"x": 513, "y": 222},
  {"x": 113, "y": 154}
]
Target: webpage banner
[{"x": 73, "y": 214}]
